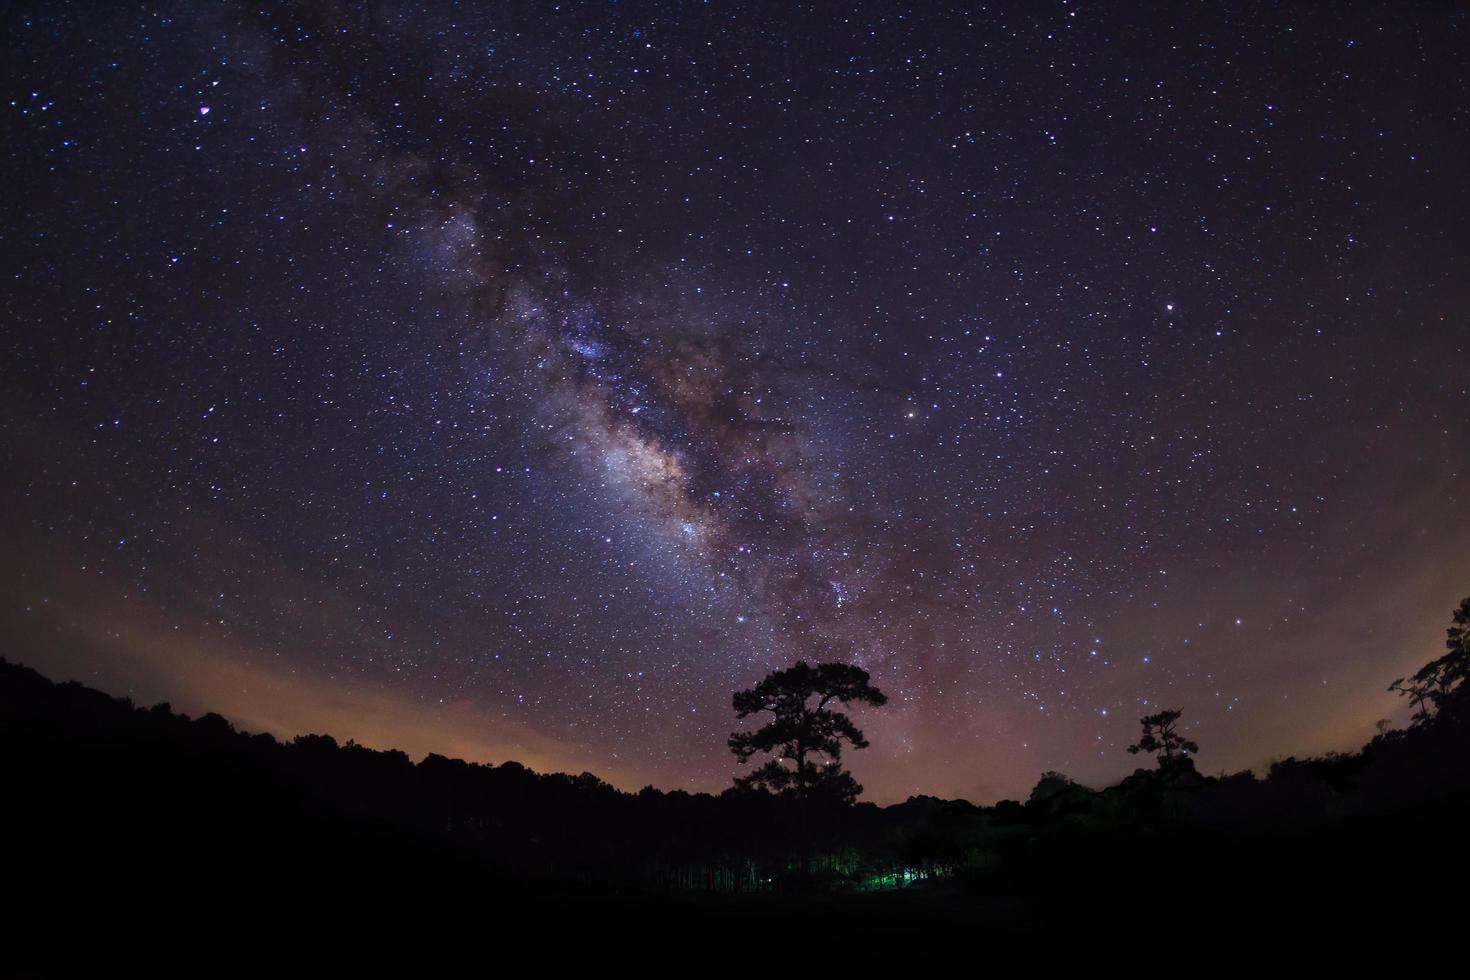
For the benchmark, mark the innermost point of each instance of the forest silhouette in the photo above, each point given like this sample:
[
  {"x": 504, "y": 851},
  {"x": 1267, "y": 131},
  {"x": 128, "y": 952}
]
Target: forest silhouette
[{"x": 121, "y": 818}]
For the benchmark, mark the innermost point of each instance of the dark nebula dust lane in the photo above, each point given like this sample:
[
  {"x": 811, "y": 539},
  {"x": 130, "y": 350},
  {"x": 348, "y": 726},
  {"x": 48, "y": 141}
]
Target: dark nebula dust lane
[{"x": 518, "y": 380}]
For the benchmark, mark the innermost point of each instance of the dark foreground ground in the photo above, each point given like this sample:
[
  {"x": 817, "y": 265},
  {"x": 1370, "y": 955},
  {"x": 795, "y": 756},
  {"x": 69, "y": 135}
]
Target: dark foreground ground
[
  {"x": 138, "y": 843},
  {"x": 161, "y": 908}
]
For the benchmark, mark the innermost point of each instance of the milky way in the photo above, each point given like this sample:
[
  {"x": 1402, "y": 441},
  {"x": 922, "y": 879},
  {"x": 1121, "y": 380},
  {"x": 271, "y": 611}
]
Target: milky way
[{"x": 518, "y": 380}]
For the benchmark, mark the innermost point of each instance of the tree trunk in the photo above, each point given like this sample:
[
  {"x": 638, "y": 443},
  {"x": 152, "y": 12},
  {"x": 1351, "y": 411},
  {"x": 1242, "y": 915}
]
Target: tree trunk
[{"x": 805, "y": 829}]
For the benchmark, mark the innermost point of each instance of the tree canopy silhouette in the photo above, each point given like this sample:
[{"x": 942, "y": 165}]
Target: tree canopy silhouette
[
  {"x": 1161, "y": 735},
  {"x": 1441, "y": 681},
  {"x": 806, "y": 735}
]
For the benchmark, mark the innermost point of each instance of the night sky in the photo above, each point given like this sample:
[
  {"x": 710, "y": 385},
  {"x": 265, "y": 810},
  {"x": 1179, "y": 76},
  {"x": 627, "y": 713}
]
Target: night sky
[{"x": 518, "y": 380}]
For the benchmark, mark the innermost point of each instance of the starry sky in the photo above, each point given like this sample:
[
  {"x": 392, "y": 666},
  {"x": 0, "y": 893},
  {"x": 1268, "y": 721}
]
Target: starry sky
[{"x": 518, "y": 380}]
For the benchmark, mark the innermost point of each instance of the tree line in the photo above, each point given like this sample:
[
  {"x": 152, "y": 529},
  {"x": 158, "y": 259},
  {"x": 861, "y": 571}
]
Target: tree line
[{"x": 113, "y": 781}]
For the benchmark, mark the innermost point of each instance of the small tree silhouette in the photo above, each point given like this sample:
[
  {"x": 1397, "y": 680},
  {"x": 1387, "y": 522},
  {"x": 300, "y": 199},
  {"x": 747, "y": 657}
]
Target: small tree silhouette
[
  {"x": 807, "y": 737},
  {"x": 1161, "y": 735}
]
